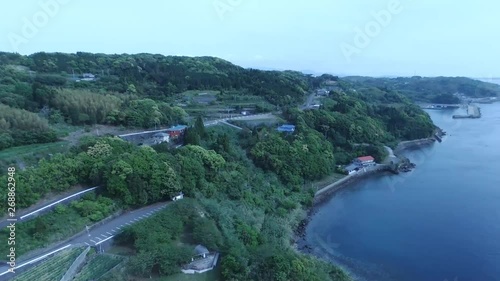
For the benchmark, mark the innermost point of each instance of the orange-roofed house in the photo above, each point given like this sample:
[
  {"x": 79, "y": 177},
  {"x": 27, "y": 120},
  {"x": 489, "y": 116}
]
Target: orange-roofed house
[{"x": 364, "y": 161}]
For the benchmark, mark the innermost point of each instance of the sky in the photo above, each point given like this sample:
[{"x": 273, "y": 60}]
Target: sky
[{"x": 349, "y": 37}]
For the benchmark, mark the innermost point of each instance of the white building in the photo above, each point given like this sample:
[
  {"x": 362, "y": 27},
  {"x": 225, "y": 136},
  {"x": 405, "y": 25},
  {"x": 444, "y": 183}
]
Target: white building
[
  {"x": 179, "y": 196},
  {"x": 364, "y": 161},
  {"x": 161, "y": 137}
]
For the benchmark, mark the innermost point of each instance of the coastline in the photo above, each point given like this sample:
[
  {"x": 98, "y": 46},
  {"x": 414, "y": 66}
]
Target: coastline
[
  {"x": 406, "y": 145},
  {"x": 325, "y": 193},
  {"x": 330, "y": 189},
  {"x": 333, "y": 187}
]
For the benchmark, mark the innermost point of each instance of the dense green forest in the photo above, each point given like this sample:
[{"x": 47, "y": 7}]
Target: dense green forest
[
  {"x": 130, "y": 90},
  {"x": 248, "y": 214},
  {"x": 157, "y": 76},
  {"x": 428, "y": 89}
]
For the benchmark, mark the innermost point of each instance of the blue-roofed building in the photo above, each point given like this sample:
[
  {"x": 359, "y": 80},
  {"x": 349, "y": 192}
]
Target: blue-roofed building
[{"x": 286, "y": 128}]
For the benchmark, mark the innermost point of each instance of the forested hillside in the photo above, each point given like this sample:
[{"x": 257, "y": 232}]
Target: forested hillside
[
  {"x": 235, "y": 208},
  {"x": 428, "y": 89},
  {"x": 248, "y": 189},
  {"x": 129, "y": 90},
  {"x": 158, "y": 76}
]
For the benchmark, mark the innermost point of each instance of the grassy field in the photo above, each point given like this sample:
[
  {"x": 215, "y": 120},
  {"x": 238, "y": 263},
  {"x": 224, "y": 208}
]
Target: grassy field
[
  {"x": 52, "y": 269},
  {"x": 30, "y": 154},
  {"x": 97, "y": 266},
  {"x": 121, "y": 250},
  {"x": 258, "y": 122},
  {"x": 63, "y": 130},
  {"x": 211, "y": 102},
  {"x": 194, "y": 93}
]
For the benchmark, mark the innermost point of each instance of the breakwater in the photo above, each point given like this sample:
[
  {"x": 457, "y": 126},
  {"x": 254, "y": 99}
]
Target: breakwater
[
  {"x": 473, "y": 111},
  {"x": 404, "y": 145}
]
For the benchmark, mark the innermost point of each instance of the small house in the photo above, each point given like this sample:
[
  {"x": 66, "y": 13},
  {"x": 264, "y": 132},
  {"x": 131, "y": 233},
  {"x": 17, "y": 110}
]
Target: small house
[
  {"x": 201, "y": 251},
  {"x": 364, "y": 161},
  {"x": 176, "y": 131},
  {"x": 202, "y": 261},
  {"x": 286, "y": 128},
  {"x": 322, "y": 92},
  {"x": 178, "y": 196},
  {"x": 160, "y": 138}
]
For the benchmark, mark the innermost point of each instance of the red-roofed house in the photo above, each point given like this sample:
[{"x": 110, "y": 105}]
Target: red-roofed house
[{"x": 364, "y": 161}]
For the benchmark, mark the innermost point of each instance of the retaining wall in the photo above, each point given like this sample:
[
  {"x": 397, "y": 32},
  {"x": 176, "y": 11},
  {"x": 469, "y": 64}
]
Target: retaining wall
[{"x": 73, "y": 269}]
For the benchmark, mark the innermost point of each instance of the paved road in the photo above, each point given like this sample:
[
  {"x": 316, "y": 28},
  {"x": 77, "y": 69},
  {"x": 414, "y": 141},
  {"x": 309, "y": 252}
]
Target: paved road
[
  {"x": 360, "y": 173},
  {"x": 25, "y": 216},
  {"x": 95, "y": 237},
  {"x": 247, "y": 117},
  {"x": 309, "y": 101},
  {"x": 231, "y": 125}
]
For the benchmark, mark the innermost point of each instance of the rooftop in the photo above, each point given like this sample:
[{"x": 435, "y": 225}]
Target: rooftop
[
  {"x": 351, "y": 167},
  {"x": 200, "y": 250},
  {"x": 286, "y": 128},
  {"x": 366, "y": 158},
  {"x": 177, "y": 128}
]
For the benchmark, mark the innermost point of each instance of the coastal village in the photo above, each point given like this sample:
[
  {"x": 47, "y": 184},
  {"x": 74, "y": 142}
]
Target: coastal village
[{"x": 202, "y": 256}]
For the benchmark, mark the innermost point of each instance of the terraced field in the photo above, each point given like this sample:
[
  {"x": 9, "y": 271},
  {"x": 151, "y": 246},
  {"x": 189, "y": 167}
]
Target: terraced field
[
  {"x": 97, "y": 266},
  {"x": 53, "y": 268}
]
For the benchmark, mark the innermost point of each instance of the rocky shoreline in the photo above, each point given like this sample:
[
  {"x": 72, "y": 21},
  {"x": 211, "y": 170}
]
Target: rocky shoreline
[
  {"x": 321, "y": 197},
  {"x": 325, "y": 193}
]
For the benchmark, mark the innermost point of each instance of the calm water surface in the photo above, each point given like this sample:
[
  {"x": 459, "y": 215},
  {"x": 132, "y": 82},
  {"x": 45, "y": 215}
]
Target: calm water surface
[{"x": 439, "y": 222}]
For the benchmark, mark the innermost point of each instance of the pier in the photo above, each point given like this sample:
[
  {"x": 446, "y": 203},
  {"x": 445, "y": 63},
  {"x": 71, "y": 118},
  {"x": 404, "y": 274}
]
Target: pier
[
  {"x": 440, "y": 106},
  {"x": 473, "y": 111}
]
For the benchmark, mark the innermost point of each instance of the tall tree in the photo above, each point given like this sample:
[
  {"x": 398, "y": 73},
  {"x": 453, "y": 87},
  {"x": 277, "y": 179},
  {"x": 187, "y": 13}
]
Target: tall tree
[{"x": 200, "y": 127}]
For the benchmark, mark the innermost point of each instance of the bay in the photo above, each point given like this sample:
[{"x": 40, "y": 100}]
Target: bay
[{"x": 439, "y": 222}]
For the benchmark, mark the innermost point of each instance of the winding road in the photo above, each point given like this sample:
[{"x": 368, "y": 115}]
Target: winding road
[
  {"x": 29, "y": 214},
  {"x": 94, "y": 237}
]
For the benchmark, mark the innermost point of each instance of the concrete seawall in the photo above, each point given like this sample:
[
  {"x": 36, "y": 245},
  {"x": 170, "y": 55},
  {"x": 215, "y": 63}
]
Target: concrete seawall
[
  {"x": 323, "y": 193},
  {"x": 413, "y": 144}
]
